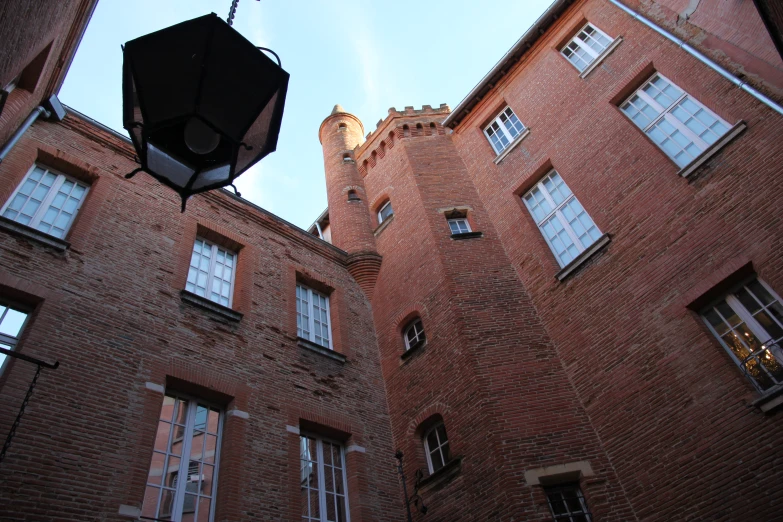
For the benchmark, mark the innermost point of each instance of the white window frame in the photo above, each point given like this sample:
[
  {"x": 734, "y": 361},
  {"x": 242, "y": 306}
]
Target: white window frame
[
  {"x": 501, "y": 127},
  {"x": 9, "y": 340},
  {"x": 773, "y": 349},
  {"x": 457, "y": 222},
  {"x": 665, "y": 113},
  {"x": 178, "y": 503},
  {"x": 558, "y": 210},
  {"x": 582, "y": 45},
  {"x": 439, "y": 448},
  {"x": 48, "y": 199},
  {"x": 211, "y": 274},
  {"x": 311, "y": 316},
  {"x": 381, "y": 219},
  {"x": 320, "y": 465},
  {"x": 421, "y": 336}
]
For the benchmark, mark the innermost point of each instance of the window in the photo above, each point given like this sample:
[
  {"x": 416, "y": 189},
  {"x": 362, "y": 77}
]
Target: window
[
  {"x": 586, "y": 46},
  {"x": 436, "y": 447},
  {"x": 182, "y": 476},
  {"x": 567, "y": 228},
  {"x": 11, "y": 323},
  {"x": 676, "y": 122},
  {"x": 323, "y": 479},
  {"x": 312, "y": 316},
  {"x": 503, "y": 129},
  {"x": 459, "y": 226},
  {"x": 46, "y": 200},
  {"x": 385, "y": 212},
  {"x": 567, "y": 503},
  {"x": 414, "y": 334},
  {"x": 211, "y": 272},
  {"x": 749, "y": 324}
]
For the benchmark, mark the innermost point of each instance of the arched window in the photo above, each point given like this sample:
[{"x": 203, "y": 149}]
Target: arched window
[
  {"x": 436, "y": 447},
  {"x": 419, "y": 130},
  {"x": 341, "y": 126},
  {"x": 385, "y": 212},
  {"x": 433, "y": 128},
  {"x": 414, "y": 334},
  {"x": 353, "y": 196},
  {"x": 406, "y": 131},
  {"x": 347, "y": 158}
]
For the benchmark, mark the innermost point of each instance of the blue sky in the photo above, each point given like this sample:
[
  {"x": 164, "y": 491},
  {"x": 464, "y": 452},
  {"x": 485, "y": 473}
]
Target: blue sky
[{"x": 366, "y": 55}]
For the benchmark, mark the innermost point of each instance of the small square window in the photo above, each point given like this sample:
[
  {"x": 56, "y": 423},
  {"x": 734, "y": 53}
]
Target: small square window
[
  {"x": 459, "y": 226},
  {"x": 47, "y": 201},
  {"x": 586, "y": 46},
  {"x": 503, "y": 130},
  {"x": 567, "y": 503},
  {"x": 211, "y": 272}
]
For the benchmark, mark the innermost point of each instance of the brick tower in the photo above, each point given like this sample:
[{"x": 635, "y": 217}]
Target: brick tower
[{"x": 340, "y": 134}]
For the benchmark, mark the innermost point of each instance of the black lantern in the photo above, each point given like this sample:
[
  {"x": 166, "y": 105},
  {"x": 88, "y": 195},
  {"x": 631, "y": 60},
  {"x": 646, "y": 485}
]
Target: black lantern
[{"x": 201, "y": 103}]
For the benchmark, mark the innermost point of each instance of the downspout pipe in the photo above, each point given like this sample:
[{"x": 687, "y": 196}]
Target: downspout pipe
[
  {"x": 702, "y": 58},
  {"x": 51, "y": 108},
  {"x": 38, "y": 111}
]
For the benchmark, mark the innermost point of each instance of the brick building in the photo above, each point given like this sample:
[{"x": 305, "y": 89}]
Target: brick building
[{"x": 559, "y": 298}]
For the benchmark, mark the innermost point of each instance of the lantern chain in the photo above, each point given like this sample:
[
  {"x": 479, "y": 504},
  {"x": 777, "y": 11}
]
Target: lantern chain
[
  {"x": 232, "y": 12},
  {"x": 18, "y": 419}
]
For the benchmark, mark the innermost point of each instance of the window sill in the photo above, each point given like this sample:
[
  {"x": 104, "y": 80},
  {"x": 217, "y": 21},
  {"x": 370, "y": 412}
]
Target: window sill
[
  {"x": 771, "y": 400},
  {"x": 34, "y": 235},
  {"x": 582, "y": 258},
  {"x": 383, "y": 225},
  {"x": 206, "y": 304},
  {"x": 601, "y": 57},
  {"x": 466, "y": 235},
  {"x": 416, "y": 348},
  {"x": 441, "y": 477},
  {"x": 512, "y": 145},
  {"x": 317, "y": 348},
  {"x": 713, "y": 149}
]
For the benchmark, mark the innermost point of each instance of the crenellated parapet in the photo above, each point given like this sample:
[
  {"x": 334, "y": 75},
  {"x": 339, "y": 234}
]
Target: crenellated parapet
[{"x": 408, "y": 123}]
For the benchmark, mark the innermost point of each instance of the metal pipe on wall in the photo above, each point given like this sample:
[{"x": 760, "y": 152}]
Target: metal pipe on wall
[
  {"x": 38, "y": 111},
  {"x": 702, "y": 58}
]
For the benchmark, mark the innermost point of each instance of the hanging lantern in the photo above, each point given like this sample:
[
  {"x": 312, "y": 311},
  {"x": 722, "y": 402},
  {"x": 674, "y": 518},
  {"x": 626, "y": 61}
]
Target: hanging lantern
[{"x": 201, "y": 103}]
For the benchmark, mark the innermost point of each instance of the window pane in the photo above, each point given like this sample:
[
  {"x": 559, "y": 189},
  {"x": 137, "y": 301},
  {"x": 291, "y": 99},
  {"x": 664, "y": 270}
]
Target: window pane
[{"x": 12, "y": 321}]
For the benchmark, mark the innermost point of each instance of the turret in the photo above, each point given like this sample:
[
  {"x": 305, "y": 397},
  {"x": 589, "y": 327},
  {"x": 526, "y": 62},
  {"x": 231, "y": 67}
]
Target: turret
[{"x": 349, "y": 215}]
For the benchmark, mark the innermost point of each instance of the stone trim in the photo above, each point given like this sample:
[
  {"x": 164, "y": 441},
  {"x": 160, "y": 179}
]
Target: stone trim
[
  {"x": 206, "y": 304},
  {"x": 771, "y": 400},
  {"x": 157, "y": 388},
  {"x": 418, "y": 347},
  {"x": 512, "y": 146},
  {"x": 713, "y": 149},
  {"x": 292, "y": 429},
  {"x": 441, "y": 477},
  {"x": 238, "y": 413},
  {"x": 34, "y": 235},
  {"x": 571, "y": 267},
  {"x": 601, "y": 57},
  {"x": 383, "y": 225},
  {"x": 467, "y": 235},
  {"x": 355, "y": 447},
  {"x": 129, "y": 511},
  {"x": 558, "y": 474},
  {"x": 337, "y": 356}
]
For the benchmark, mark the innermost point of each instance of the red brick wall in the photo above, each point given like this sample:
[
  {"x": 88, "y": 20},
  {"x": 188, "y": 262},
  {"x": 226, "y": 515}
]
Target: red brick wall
[
  {"x": 668, "y": 404},
  {"x": 109, "y": 310},
  {"x": 30, "y": 29},
  {"x": 488, "y": 368},
  {"x": 732, "y": 33}
]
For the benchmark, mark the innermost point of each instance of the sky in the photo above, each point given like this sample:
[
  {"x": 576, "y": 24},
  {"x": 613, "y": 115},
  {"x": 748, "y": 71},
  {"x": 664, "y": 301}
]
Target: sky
[{"x": 366, "y": 55}]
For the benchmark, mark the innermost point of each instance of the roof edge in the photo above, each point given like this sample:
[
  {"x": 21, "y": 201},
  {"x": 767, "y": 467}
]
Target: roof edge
[{"x": 512, "y": 56}]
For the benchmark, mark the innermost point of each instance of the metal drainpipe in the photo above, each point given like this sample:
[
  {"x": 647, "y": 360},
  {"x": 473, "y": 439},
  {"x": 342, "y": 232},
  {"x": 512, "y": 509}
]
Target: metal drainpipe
[
  {"x": 703, "y": 59},
  {"x": 38, "y": 111}
]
